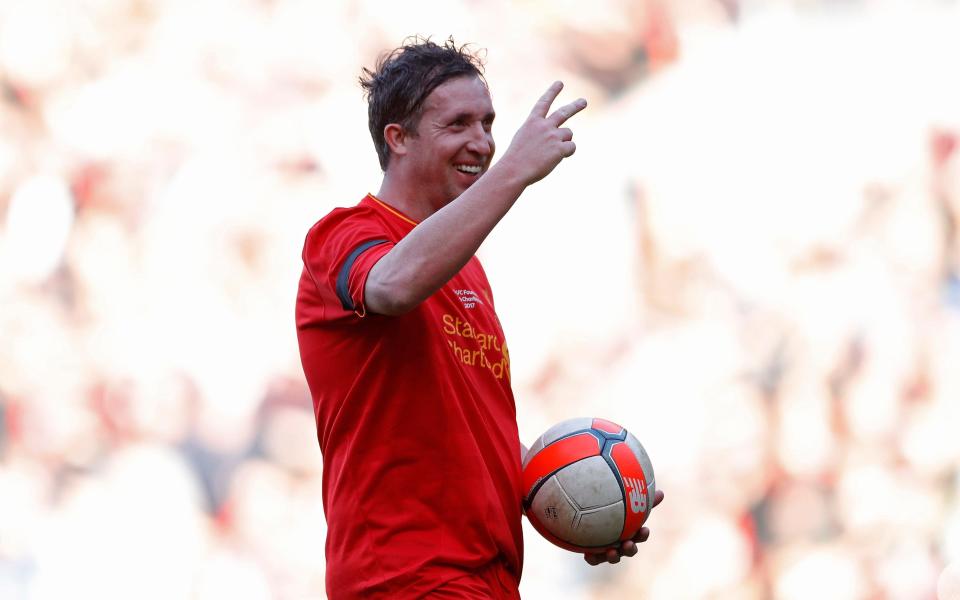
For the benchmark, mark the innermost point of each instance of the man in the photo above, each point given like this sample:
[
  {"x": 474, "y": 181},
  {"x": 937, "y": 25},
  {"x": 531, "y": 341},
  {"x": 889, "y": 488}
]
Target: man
[{"x": 402, "y": 349}]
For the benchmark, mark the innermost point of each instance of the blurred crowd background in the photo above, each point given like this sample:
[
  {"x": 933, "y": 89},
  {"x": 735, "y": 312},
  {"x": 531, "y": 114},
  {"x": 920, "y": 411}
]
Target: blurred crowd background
[{"x": 752, "y": 263}]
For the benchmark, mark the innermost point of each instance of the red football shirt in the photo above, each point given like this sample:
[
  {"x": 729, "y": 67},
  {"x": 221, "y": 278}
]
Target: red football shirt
[{"x": 415, "y": 416}]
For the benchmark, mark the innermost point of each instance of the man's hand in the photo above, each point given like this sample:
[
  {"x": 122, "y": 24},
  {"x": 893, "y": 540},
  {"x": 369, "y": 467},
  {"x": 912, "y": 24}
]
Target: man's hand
[
  {"x": 627, "y": 548},
  {"x": 541, "y": 143}
]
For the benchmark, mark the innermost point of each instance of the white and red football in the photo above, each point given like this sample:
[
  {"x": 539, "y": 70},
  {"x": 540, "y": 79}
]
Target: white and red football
[{"x": 588, "y": 485}]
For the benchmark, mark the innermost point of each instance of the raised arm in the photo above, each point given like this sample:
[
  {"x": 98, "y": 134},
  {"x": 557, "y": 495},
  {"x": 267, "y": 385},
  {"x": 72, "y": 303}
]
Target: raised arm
[{"x": 442, "y": 243}]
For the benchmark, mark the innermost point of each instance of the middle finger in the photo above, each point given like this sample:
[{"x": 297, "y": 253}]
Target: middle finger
[{"x": 559, "y": 116}]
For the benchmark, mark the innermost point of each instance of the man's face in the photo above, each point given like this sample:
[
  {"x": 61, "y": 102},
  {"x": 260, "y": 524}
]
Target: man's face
[{"x": 454, "y": 144}]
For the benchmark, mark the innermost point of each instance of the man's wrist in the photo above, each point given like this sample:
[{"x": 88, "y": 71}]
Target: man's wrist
[{"x": 507, "y": 175}]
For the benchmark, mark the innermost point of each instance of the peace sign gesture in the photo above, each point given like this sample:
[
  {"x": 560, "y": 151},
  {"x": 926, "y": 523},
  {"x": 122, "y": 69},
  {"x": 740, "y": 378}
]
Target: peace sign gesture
[{"x": 541, "y": 142}]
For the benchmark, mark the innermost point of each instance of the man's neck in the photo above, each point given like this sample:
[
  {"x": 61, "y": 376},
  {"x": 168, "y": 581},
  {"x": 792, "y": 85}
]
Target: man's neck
[{"x": 403, "y": 198}]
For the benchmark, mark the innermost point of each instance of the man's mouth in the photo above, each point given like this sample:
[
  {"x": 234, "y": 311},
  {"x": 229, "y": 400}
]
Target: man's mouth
[{"x": 469, "y": 169}]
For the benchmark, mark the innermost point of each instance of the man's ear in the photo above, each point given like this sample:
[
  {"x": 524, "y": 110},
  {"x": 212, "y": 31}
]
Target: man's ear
[{"x": 396, "y": 138}]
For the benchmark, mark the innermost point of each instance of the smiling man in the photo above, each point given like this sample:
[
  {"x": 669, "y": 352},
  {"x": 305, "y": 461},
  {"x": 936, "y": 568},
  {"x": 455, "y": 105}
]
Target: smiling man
[{"x": 402, "y": 349}]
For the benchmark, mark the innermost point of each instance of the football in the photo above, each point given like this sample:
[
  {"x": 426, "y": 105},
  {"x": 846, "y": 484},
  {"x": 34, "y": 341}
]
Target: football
[{"x": 588, "y": 485}]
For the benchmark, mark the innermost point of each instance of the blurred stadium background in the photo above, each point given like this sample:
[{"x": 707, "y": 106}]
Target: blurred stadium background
[{"x": 753, "y": 263}]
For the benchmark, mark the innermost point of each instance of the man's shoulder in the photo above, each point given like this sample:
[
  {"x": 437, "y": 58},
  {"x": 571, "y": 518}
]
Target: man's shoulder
[
  {"x": 361, "y": 216},
  {"x": 358, "y": 213}
]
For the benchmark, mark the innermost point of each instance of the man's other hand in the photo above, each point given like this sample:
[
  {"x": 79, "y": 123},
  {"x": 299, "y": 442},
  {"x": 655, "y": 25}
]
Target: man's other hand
[{"x": 627, "y": 548}]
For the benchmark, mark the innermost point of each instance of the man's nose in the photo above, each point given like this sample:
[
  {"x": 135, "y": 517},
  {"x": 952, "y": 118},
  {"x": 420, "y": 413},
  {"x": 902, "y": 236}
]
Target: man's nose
[{"x": 481, "y": 140}]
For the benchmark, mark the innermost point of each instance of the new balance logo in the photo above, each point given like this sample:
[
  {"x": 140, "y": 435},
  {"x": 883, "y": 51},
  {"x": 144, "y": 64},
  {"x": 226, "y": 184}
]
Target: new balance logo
[{"x": 638, "y": 500}]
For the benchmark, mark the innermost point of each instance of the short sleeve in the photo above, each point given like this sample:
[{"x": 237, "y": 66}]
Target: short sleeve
[{"x": 338, "y": 253}]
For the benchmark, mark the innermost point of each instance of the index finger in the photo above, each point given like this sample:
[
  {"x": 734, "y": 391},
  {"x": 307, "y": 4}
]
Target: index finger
[{"x": 543, "y": 104}]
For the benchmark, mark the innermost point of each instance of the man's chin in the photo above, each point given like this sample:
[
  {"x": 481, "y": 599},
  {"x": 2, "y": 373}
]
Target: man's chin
[
  {"x": 466, "y": 184},
  {"x": 459, "y": 189}
]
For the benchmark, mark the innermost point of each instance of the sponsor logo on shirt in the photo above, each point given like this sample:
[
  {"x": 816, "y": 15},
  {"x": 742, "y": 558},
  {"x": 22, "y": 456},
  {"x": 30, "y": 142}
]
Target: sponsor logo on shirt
[{"x": 476, "y": 348}]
